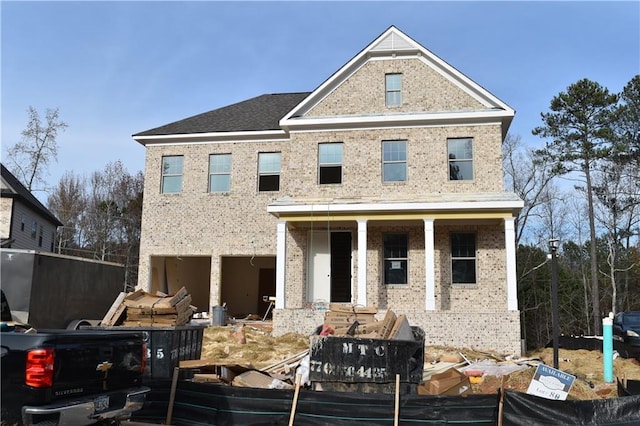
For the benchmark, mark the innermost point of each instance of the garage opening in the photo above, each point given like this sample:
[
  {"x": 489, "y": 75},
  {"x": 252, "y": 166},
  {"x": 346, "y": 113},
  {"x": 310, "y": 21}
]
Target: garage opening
[
  {"x": 170, "y": 273},
  {"x": 247, "y": 283}
]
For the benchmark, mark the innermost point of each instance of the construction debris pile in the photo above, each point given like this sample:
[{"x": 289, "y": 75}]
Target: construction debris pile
[
  {"x": 142, "y": 309},
  {"x": 357, "y": 321}
]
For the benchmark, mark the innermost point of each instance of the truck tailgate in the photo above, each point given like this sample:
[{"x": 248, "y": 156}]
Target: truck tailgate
[
  {"x": 90, "y": 362},
  {"x": 99, "y": 360}
]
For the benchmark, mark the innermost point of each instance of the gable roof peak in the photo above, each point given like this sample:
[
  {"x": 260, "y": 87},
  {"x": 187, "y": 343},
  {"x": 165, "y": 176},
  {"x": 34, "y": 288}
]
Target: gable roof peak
[{"x": 393, "y": 40}]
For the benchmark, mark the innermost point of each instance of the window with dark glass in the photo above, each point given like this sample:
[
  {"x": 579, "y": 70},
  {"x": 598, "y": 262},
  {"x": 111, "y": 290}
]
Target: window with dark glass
[
  {"x": 40, "y": 236},
  {"x": 393, "y": 87},
  {"x": 395, "y": 247},
  {"x": 460, "y": 153},
  {"x": 269, "y": 171},
  {"x": 463, "y": 258},
  {"x": 219, "y": 172},
  {"x": 330, "y": 163},
  {"x": 394, "y": 161},
  {"x": 171, "y": 174},
  {"x": 34, "y": 229}
]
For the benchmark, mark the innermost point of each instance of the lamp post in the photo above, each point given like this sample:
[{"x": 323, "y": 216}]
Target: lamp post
[{"x": 553, "y": 251}]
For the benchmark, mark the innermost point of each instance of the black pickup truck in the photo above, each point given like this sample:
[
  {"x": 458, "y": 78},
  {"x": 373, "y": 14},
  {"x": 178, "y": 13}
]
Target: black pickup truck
[{"x": 69, "y": 377}]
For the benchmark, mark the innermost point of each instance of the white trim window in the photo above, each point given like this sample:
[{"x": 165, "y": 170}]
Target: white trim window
[
  {"x": 393, "y": 89},
  {"x": 396, "y": 260},
  {"x": 171, "y": 174},
  {"x": 269, "y": 165},
  {"x": 394, "y": 161},
  {"x": 463, "y": 258},
  {"x": 330, "y": 163},
  {"x": 460, "y": 155},
  {"x": 219, "y": 172}
]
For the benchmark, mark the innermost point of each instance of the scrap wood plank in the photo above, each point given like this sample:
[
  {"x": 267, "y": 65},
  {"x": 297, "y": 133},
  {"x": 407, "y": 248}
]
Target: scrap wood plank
[
  {"x": 213, "y": 364},
  {"x": 387, "y": 324},
  {"x": 289, "y": 360},
  {"x": 206, "y": 378},
  {"x": 340, "y": 319},
  {"x": 361, "y": 329},
  {"x": 140, "y": 299},
  {"x": 109, "y": 316},
  {"x": 336, "y": 307},
  {"x": 332, "y": 314},
  {"x": 162, "y": 309},
  {"x": 401, "y": 329}
]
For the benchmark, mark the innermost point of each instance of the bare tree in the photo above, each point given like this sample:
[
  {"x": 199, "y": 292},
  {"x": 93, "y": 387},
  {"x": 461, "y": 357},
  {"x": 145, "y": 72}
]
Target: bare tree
[
  {"x": 37, "y": 148},
  {"x": 113, "y": 217},
  {"x": 68, "y": 202},
  {"x": 616, "y": 211},
  {"x": 578, "y": 259},
  {"x": 528, "y": 177}
]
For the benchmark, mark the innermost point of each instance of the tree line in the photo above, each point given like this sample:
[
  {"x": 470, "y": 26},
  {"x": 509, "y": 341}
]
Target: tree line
[{"x": 582, "y": 188}]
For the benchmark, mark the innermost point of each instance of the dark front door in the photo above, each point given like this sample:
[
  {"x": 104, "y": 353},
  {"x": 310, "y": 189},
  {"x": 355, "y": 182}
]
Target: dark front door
[
  {"x": 266, "y": 289},
  {"x": 341, "y": 267}
]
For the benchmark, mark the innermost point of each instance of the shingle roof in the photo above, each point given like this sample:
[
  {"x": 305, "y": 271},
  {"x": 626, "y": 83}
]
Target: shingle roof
[
  {"x": 257, "y": 114},
  {"x": 17, "y": 189}
]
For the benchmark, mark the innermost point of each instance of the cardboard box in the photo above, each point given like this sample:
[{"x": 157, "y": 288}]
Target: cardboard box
[{"x": 449, "y": 382}]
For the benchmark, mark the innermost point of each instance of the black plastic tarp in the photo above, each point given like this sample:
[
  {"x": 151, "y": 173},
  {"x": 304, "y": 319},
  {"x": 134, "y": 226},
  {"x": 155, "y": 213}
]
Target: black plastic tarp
[
  {"x": 210, "y": 404},
  {"x": 526, "y": 410},
  {"x": 628, "y": 388},
  {"x": 214, "y": 404}
]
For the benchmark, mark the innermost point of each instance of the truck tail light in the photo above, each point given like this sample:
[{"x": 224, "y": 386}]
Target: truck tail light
[
  {"x": 143, "y": 364},
  {"x": 39, "y": 369}
]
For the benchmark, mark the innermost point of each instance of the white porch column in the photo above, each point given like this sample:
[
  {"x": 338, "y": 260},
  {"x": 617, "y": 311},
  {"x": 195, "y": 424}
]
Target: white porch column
[
  {"x": 281, "y": 243},
  {"x": 362, "y": 262},
  {"x": 429, "y": 266},
  {"x": 510, "y": 251}
]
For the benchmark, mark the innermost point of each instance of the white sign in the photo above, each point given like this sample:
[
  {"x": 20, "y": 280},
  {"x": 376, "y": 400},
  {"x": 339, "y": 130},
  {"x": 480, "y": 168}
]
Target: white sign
[{"x": 550, "y": 383}]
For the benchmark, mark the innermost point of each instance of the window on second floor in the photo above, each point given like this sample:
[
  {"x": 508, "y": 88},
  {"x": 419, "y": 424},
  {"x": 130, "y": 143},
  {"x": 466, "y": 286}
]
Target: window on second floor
[
  {"x": 34, "y": 229},
  {"x": 330, "y": 163},
  {"x": 394, "y": 161},
  {"x": 460, "y": 154},
  {"x": 395, "y": 248},
  {"x": 219, "y": 172},
  {"x": 40, "y": 235},
  {"x": 23, "y": 221},
  {"x": 171, "y": 174},
  {"x": 393, "y": 88},
  {"x": 463, "y": 258},
  {"x": 269, "y": 171}
]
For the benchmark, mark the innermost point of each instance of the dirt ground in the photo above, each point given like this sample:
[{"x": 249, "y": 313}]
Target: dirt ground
[{"x": 254, "y": 345}]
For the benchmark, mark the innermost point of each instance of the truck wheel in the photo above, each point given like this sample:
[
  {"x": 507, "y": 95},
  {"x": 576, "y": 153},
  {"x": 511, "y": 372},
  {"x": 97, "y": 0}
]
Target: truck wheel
[{"x": 76, "y": 324}]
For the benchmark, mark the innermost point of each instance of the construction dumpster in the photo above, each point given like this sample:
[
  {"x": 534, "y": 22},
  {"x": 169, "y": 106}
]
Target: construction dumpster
[
  {"x": 365, "y": 360},
  {"x": 167, "y": 346}
]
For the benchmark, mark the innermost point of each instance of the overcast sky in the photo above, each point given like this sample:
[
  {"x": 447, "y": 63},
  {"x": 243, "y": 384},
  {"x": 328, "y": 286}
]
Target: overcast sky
[{"x": 118, "y": 68}]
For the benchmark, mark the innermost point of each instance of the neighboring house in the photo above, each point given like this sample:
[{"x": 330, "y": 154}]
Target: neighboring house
[
  {"x": 383, "y": 187},
  {"x": 24, "y": 222}
]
